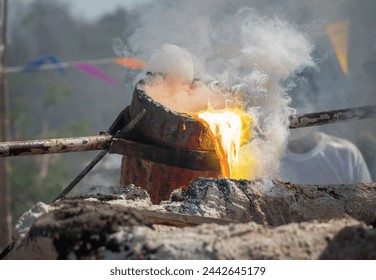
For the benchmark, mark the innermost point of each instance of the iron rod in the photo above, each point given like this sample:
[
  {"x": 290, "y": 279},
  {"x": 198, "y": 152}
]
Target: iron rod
[
  {"x": 334, "y": 116},
  {"x": 51, "y": 146}
]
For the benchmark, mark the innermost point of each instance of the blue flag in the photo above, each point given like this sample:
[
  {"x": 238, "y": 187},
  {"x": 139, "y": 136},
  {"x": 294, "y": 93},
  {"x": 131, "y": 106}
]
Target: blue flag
[{"x": 35, "y": 64}]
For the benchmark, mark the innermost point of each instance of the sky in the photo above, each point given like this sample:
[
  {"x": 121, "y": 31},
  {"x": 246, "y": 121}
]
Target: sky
[{"x": 92, "y": 9}]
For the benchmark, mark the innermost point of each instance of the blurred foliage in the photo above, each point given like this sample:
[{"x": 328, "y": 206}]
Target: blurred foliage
[
  {"x": 27, "y": 188},
  {"x": 48, "y": 104},
  {"x": 55, "y": 94}
]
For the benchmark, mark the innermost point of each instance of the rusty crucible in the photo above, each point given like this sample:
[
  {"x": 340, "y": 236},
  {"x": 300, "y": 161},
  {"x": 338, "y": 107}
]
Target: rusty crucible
[{"x": 179, "y": 135}]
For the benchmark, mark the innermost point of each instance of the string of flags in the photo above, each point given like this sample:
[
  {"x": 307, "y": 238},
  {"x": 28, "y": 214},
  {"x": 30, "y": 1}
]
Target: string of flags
[
  {"x": 338, "y": 33},
  {"x": 50, "y": 62}
]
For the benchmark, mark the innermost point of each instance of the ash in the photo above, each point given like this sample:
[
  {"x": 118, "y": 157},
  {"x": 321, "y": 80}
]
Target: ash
[
  {"x": 284, "y": 221},
  {"x": 219, "y": 198}
]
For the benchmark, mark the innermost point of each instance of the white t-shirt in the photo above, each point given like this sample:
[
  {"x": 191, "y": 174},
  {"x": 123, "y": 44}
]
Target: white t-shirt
[{"x": 332, "y": 161}]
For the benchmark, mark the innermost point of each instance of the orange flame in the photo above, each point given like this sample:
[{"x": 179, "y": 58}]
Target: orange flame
[{"x": 231, "y": 130}]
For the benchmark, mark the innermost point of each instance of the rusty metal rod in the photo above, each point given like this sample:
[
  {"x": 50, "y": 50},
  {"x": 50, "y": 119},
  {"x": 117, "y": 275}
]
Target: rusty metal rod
[
  {"x": 51, "y": 146},
  {"x": 113, "y": 129},
  {"x": 183, "y": 158},
  {"x": 334, "y": 116},
  {"x": 67, "y": 145},
  {"x": 90, "y": 143},
  {"x": 82, "y": 174}
]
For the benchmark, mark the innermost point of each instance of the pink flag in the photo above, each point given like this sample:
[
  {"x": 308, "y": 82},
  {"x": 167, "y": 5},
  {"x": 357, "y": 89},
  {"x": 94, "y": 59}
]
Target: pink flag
[{"x": 95, "y": 72}]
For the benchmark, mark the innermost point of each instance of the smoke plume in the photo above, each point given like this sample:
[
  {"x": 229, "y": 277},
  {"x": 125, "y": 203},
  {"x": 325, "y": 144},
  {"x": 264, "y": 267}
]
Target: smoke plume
[{"x": 234, "y": 50}]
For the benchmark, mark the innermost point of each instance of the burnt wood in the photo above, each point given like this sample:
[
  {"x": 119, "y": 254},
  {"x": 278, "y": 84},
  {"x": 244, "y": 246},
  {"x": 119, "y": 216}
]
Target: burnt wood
[{"x": 178, "y": 220}]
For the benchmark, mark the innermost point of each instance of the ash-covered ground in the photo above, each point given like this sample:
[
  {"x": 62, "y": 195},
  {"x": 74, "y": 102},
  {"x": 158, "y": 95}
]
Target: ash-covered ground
[{"x": 213, "y": 219}]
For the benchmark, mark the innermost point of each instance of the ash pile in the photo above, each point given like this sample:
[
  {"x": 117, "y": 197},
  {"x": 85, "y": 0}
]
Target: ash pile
[{"x": 212, "y": 219}]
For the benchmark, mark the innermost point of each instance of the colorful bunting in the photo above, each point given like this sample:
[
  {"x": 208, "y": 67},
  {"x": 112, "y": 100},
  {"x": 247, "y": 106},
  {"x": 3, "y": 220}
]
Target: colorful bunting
[
  {"x": 130, "y": 62},
  {"x": 86, "y": 67},
  {"x": 38, "y": 62},
  {"x": 95, "y": 72},
  {"x": 338, "y": 33}
]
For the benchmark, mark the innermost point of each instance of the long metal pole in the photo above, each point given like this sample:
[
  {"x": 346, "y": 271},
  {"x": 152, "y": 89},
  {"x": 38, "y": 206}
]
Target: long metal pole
[
  {"x": 334, "y": 116},
  {"x": 5, "y": 194},
  {"x": 52, "y": 146},
  {"x": 91, "y": 143}
]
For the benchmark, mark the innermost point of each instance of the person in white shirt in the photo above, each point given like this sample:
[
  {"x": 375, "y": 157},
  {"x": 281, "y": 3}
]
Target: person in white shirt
[
  {"x": 313, "y": 157},
  {"x": 324, "y": 159}
]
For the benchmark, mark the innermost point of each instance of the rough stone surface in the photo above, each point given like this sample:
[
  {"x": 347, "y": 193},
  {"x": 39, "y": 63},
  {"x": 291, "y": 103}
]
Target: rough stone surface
[
  {"x": 270, "y": 220},
  {"x": 273, "y": 203}
]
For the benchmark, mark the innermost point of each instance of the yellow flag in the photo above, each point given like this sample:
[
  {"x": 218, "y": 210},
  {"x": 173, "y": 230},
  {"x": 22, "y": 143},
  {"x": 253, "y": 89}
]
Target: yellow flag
[{"x": 338, "y": 33}]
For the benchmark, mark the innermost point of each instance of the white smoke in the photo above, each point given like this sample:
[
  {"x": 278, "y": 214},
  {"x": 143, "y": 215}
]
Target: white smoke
[
  {"x": 174, "y": 61},
  {"x": 234, "y": 44}
]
